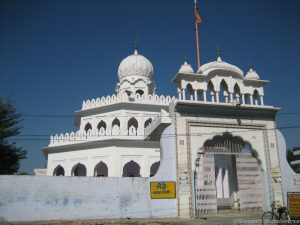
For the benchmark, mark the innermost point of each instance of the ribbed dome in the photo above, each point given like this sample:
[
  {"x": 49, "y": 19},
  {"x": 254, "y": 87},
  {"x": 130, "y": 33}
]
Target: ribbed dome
[
  {"x": 219, "y": 64},
  {"x": 186, "y": 68},
  {"x": 135, "y": 65},
  {"x": 252, "y": 75}
]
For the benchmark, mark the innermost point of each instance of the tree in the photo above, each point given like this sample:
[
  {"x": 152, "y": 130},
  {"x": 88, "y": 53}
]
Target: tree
[{"x": 10, "y": 154}]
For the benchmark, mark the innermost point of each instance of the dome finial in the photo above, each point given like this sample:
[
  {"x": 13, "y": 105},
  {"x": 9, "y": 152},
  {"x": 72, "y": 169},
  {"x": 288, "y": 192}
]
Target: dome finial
[
  {"x": 185, "y": 58},
  {"x": 136, "y": 45},
  {"x": 251, "y": 66},
  {"x": 219, "y": 54}
]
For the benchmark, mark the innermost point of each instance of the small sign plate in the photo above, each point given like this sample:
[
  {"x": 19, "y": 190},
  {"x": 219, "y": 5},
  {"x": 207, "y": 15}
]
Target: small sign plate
[
  {"x": 163, "y": 190},
  {"x": 293, "y": 204}
]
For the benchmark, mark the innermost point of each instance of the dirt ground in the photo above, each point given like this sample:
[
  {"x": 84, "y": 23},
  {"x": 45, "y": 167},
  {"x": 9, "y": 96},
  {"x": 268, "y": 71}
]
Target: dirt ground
[{"x": 213, "y": 219}]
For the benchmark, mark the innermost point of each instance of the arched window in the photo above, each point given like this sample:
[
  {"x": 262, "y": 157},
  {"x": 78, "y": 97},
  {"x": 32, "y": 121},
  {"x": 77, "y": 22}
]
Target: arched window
[
  {"x": 190, "y": 92},
  {"x": 131, "y": 169},
  {"x": 127, "y": 92},
  {"x": 154, "y": 168},
  {"x": 59, "y": 171},
  {"x": 237, "y": 94},
  {"x": 224, "y": 93},
  {"x": 101, "y": 124},
  {"x": 101, "y": 170},
  {"x": 87, "y": 127},
  {"x": 140, "y": 92},
  {"x": 115, "y": 127},
  {"x": 147, "y": 122},
  {"x": 79, "y": 170},
  {"x": 255, "y": 97},
  {"x": 101, "y": 127},
  {"x": 212, "y": 92},
  {"x": 132, "y": 126}
]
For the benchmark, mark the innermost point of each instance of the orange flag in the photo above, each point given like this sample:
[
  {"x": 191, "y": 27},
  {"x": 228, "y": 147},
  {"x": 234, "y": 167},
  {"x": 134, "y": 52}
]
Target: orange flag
[{"x": 197, "y": 16}]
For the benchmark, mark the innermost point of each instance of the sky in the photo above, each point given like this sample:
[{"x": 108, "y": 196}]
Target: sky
[{"x": 55, "y": 54}]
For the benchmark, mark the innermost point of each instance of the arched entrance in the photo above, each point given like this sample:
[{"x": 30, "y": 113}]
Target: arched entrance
[{"x": 227, "y": 176}]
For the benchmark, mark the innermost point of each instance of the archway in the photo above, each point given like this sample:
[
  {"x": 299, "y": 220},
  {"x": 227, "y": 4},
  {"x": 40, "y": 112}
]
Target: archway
[
  {"x": 59, "y": 171},
  {"x": 101, "y": 170},
  {"x": 227, "y": 176},
  {"x": 131, "y": 169},
  {"x": 79, "y": 170}
]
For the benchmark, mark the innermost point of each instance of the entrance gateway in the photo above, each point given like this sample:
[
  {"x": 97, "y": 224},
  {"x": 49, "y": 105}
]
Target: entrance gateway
[{"x": 227, "y": 176}]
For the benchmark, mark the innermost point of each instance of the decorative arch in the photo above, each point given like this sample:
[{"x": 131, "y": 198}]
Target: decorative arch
[
  {"x": 101, "y": 124},
  {"x": 79, "y": 170},
  {"x": 87, "y": 127},
  {"x": 115, "y": 126},
  {"x": 224, "y": 92},
  {"x": 140, "y": 92},
  {"x": 230, "y": 160},
  {"x": 59, "y": 171},
  {"x": 101, "y": 170},
  {"x": 131, "y": 169},
  {"x": 255, "y": 97},
  {"x": 237, "y": 93},
  {"x": 132, "y": 126},
  {"x": 190, "y": 92},
  {"x": 101, "y": 127},
  {"x": 154, "y": 168},
  {"x": 212, "y": 92},
  {"x": 147, "y": 122}
]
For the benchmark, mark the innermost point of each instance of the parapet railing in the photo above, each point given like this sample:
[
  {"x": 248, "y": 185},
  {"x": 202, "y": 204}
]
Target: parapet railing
[{"x": 142, "y": 99}]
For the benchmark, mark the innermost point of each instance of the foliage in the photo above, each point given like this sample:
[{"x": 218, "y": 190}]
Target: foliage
[
  {"x": 291, "y": 157},
  {"x": 10, "y": 154}
]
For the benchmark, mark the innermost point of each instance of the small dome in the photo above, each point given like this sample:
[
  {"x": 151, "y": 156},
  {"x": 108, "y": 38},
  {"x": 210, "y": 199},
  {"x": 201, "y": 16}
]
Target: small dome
[
  {"x": 186, "y": 68},
  {"x": 219, "y": 64},
  {"x": 252, "y": 75},
  {"x": 135, "y": 65}
]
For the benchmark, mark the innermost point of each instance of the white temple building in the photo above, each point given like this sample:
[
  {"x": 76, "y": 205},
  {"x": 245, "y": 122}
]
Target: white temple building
[
  {"x": 110, "y": 140},
  {"x": 225, "y": 136}
]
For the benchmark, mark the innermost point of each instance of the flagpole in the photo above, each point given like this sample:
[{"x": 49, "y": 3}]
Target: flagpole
[
  {"x": 198, "y": 47},
  {"x": 197, "y": 34}
]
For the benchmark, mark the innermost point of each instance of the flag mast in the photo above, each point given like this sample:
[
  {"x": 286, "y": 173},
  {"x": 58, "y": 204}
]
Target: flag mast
[{"x": 197, "y": 21}]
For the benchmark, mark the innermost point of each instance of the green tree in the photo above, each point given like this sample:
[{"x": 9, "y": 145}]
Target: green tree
[{"x": 10, "y": 154}]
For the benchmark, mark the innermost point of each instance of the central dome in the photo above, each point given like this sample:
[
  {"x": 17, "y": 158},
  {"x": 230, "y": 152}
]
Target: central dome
[{"x": 135, "y": 65}]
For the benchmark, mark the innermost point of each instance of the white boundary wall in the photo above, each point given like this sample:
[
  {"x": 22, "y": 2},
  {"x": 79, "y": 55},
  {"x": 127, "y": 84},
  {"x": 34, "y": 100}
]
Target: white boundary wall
[
  {"x": 33, "y": 198},
  {"x": 290, "y": 180}
]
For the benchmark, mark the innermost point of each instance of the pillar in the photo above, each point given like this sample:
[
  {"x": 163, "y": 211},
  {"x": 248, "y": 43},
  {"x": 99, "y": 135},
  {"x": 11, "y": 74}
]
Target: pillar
[
  {"x": 231, "y": 97},
  {"x": 243, "y": 99},
  {"x": 204, "y": 96},
  {"x": 183, "y": 94},
  {"x": 196, "y": 96},
  {"x": 262, "y": 100},
  {"x": 217, "y": 96}
]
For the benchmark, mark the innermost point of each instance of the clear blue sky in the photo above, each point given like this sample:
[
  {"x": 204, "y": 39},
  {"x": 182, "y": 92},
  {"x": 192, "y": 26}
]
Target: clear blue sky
[{"x": 54, "y": 54}]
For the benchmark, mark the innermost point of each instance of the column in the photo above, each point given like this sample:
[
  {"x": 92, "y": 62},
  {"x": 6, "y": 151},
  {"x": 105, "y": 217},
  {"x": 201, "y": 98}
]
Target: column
[
  {"x": 217, "y": 96},
  {"x": 183, "y": 94},
  {"x": 179, "y": 95},
  {"x": 204, "y": 96},
  {"x": 243, "y": 99},
  {"x": 196, "y": 96},
  {"x": 231, "y": 97},
  {"x": 262, "y": 100}
]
